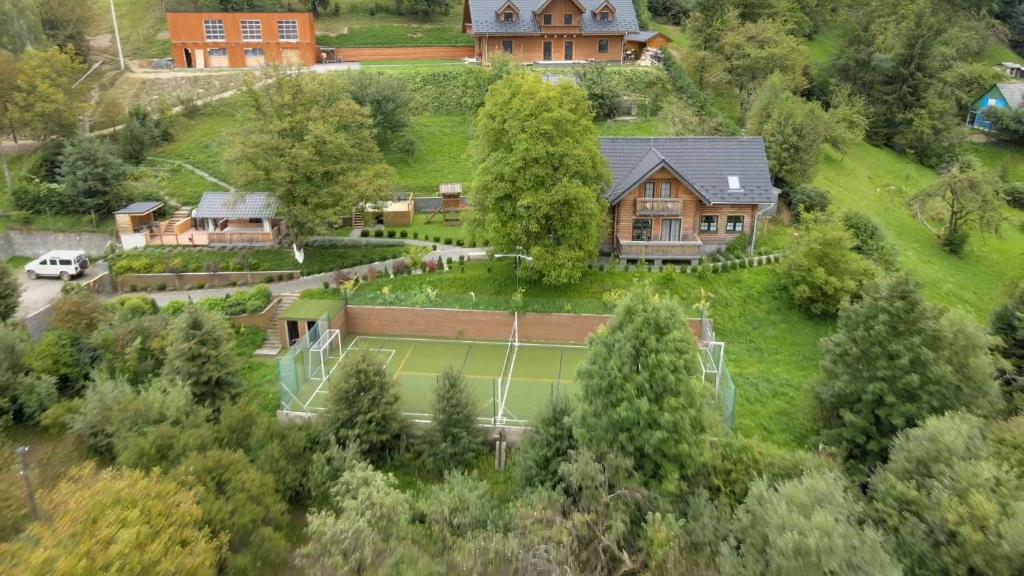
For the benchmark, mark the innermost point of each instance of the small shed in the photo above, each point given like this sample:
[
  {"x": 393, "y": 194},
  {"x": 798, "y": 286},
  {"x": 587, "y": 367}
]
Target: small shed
[
  {"x": 1005, "y": 95},
  {"x": 303, "y": 316},
  {"x": 236, "y": 218},
  {"x": 637, "y": 41},
  {"x": 1012, "y": 69},
  {"x": 134, "y": 220}
]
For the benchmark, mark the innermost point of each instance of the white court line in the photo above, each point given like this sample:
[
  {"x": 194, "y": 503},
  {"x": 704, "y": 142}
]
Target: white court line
[{"x": 530, "y": 344}]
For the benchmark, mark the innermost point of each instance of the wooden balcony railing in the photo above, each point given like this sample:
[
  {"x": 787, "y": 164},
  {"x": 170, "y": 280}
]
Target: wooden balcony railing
[
  {"x": 659, "y": 206},
  {"x": 239, "y": 237},
  {"x": 660, "y": 250}
]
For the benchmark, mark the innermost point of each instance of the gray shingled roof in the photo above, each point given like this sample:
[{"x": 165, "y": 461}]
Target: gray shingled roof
[
  {"x": 643, "y": 36},
  {"x": 704, "y": 162},
  {"x": 137, "y": 208},
  {"x": 484, "y": 14},
  {"x": 236, "y": 205},
  {"x": 1013, "y": 92}
]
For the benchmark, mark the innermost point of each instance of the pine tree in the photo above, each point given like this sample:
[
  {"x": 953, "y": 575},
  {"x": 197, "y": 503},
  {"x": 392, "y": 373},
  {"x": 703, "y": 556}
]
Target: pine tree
[
  {"x": 363, "y": 410},
  {"x": 200, "y": 355},
  {"x": 91, "y": 175},
  {"x": 641, "y": 396},
  {"x": 453, "y": 440},
  {"x": 1008, "y": 325},
  {"x": 548, "y": 446},
  {"x": 893, "y": 361}
]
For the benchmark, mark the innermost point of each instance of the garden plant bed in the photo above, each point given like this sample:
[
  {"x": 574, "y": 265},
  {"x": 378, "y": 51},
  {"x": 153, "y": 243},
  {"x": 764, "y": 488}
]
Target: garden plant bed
[{"x": 182, "y": 260}]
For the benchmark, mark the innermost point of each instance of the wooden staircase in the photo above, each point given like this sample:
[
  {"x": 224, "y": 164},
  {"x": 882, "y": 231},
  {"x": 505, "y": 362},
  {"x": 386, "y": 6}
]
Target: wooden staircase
[
  {"x": 357, "y": 219},
  {"x": 272, "y": 345},
  {"x": 182, "y": 213}
]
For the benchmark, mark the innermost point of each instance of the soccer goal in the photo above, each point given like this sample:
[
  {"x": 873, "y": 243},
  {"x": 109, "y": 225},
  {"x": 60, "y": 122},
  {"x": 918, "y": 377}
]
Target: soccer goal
[{"x": 324, "y": 355}]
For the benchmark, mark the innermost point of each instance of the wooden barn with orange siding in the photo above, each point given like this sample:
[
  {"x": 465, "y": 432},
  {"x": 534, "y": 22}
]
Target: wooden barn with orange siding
[{"x": 242, "y": 39}]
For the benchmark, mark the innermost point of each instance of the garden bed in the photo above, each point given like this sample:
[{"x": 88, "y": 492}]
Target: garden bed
[{"x": 183, "y": 260}]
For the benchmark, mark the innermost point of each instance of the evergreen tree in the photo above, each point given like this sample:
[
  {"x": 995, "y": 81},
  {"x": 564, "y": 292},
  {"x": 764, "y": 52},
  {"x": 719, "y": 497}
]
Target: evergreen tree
[
  {"x": 199, "y": 356},
  {"x": 453, "y": 440},
  {"x": 810, "y": 525},
  {"x": 362, "y": 413},
  {"x": 91, "y": 175},
  {"x": 540, "y": 175},
  {"x": 948, "y": 506},
  {"x": 10, "y": 293},
  {"x": 1008, "y": 325},
  {"x": 548, "y": 446},
  {"x": 893, "y": 361},
  {"x": 641, "y": 395}
]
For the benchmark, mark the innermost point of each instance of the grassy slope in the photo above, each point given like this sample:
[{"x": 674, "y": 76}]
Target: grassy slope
[
  {"x": 390, "y": 30},
  {"x": 878, "y": 182}
]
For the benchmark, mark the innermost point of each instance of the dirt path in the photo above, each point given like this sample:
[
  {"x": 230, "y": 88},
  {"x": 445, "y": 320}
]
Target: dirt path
[{"x": 205, "y": 175}]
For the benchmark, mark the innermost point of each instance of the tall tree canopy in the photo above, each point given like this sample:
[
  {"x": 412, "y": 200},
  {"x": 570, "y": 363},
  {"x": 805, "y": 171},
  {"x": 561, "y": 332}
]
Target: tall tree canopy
[
  {"x": 43, "y": 103},
  {"x": 641, "y": 395},
  {"x": 198, "y": 356},
  {"x": 540, "y": 175},
  {"x": 314, "y": 147},
  {"x": 893, "y": 361},
  {"x": 793, "y": 130}
]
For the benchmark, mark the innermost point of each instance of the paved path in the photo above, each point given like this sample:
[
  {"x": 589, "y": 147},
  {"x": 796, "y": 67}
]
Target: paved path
[{"x": 306, "y": 282}]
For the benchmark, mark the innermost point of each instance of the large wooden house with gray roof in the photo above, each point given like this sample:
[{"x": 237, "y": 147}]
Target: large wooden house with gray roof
[
  {"x": 550, "y": 30},
  {"x": 681, "y": 198}
]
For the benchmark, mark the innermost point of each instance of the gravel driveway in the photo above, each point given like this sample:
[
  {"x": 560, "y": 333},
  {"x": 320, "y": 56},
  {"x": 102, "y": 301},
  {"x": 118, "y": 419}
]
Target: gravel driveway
[{"x": 39, "y": 293}]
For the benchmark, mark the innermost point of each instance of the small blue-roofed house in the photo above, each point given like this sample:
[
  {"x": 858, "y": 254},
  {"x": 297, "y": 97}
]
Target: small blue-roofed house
[{"x": 1004, "y": 96}]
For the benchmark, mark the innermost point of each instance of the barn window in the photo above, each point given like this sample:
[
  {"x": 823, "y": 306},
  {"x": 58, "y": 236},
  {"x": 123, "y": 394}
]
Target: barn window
[
  {"x": 213, "y": 29},
  {"x": 288, "y": 30},
  {"x": 217, "y": 52},
  {"x": 602, "y": 46},
  {"x": 506, "y": 46},
  {"x": 252, "y": 31},
  {"x": 254, "y": 52},
  {"x": 547, "y": 19}
]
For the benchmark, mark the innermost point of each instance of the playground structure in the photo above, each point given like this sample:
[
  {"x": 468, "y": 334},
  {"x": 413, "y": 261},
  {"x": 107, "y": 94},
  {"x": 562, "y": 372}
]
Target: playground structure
[{"x": 452, "y": 204}]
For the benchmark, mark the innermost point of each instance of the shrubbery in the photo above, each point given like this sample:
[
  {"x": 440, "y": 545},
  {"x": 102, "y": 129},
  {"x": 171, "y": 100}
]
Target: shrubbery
[
  {"x": 241, "y": 302},
  {"x": 160, "y": 260},
  {"x": 807, "y": 199}
]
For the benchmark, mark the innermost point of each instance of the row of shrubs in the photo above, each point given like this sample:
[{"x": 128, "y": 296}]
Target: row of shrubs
[
  {"x": 381, "y": 233},
  {"x": 317, "y": 259},
  {"x": 164, "y": 286},
  {"x": 720, "y": 264}
]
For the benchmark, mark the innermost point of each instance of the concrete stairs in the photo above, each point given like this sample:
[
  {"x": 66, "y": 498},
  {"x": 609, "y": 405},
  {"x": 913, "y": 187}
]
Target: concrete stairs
[{"x": 272, "y": 345}]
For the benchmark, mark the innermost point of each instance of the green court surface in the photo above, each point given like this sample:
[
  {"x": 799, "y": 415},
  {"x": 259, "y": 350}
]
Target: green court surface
[{"x": 534, "y": 372}]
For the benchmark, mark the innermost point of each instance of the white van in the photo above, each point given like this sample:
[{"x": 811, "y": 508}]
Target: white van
[{"x": 63, "y": 264}]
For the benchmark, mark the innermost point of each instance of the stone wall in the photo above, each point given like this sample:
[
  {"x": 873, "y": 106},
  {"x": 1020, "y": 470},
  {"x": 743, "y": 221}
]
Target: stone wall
[{"x": 36, "y": 243}]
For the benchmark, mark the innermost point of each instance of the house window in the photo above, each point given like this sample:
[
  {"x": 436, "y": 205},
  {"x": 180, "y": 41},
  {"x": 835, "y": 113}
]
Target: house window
[
  {"x": 547, "y": 19},
  {"x": 506, "y": 46},
  {"x": 547, "y": 50},
  {"x": 217, "y": 52},
  {"x": 602, "y": 46},
  {"x": 709, "y": 224},
  {"x": 666, "y": 189},
  {"x": 213, "y": 29},
  {"x": 670, "y": 229},
  {"x": 288, "y": 30},
  {"x": 642, "y": 230},
  {"x": 603, "y": 16},
  {"x": 508, "y": 16},
  {"x": 734, "y": 224},
  {"x": 252, "y": 31},
  {"x": 992, "y": 102},
  {"x": 567, "y": 19},
  {"x": 254, "y": 52},
  {"x": 648, "y": 189}
]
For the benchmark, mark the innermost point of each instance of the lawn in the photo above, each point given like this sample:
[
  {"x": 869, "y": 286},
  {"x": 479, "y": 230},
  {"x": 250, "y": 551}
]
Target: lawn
[
  {"x": 441, "y": 154},
  {"x": 435, "y": 231},
  {"x": 380, "y": 30},
  {"x": 205, "y": 139},
  {"x": 1005, "y": 160},
  {"x": 772, "y": 349},
  {"x": 879, "y": 182}
]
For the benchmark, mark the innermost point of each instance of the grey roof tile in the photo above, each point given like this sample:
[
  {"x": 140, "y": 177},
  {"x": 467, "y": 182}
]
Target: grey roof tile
[
  {"x": 484, "y": 15},
  {"x": 642, "y": 36},
  {"x": 137, "y": 208},
  {"x": 236, "y": 205},
  {"x": 704, "y": 162},
  {"x": 1013, "y": 92}
]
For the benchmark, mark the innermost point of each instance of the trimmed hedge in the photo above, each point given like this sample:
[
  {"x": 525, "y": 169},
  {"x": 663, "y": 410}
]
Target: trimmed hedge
[{"x": 317, "y": 260}]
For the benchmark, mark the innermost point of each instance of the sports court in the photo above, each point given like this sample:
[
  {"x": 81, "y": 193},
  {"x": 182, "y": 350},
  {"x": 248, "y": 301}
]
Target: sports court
[{"x": 511, "y": 382}]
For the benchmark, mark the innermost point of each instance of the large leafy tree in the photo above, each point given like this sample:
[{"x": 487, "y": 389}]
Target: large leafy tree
[
  {"x": 540, "y": 175},
  {"x": 114, "y": 521},
  {"x": 793, "y": 130},
  {"x": 641, "y": 394},
  {"x": 967, "y": 199},
  {"x": 810, "y": 525},
  {"x": 314, "y": 148},
  {"x": 44, "y": 104},
  {"x": 388, "y": 101},
  {"x": 948, "y": 505},
  {"x": 363, "y": 412},
  {"x": 92, "y": 176},
  {"x": 453, "y": 440},
  {"x": 753, "y": 51},
  {"x": 198, "y": 356},
  {"x": 893, "y": 361},
  {"x": 822, "y": 270},
  {"x": 20, "y": 26}
]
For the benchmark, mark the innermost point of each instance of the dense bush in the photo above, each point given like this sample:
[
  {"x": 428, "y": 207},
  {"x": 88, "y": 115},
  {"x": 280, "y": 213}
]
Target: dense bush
[
  {"x": 1014, "y": 194},
  {"x": 807, "y": 199},
  {"x": 241, "y": 302},
  {"x": 822, "y": 270},
  {"x": 159, "y": 260},
  {"x": 869, "y": 240},
  {"x": 738, "y": 247}
]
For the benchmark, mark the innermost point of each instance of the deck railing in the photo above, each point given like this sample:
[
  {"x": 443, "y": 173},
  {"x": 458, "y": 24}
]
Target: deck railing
[
  {"x": 659, "y": 206},
  {"x": 658, "y": 249},
  {"x": 239, "y": 237}
]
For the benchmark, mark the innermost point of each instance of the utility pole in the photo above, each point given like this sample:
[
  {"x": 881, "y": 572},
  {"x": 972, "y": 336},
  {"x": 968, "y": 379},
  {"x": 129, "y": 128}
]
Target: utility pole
[
  {"x": 117, "y": 35},
  {"x": 519, "y": 256},
  {"x": 22, "y": 452}
]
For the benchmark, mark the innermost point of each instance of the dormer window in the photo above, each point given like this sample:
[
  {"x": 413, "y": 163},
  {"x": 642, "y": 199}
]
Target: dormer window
[
  {"x": 603, "y": 16},
  {"x": 508, "y": 12},
  {"x": 508, "y": 16},
  {"x": 605, "y": 12},
  {"x": 734, "y": 184},
  {"x": 567, "y": 20}
]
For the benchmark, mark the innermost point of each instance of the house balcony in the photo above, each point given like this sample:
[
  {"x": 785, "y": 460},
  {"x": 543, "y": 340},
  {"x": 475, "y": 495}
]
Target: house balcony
[
  {"x": 659, "y": 206},
  {"x": 658, "y": 250}
]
